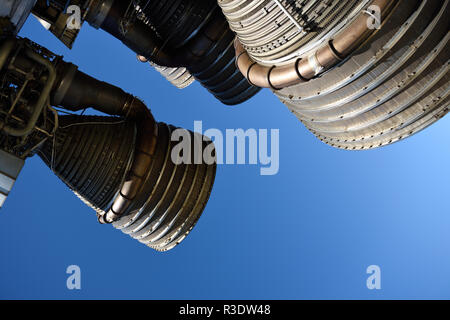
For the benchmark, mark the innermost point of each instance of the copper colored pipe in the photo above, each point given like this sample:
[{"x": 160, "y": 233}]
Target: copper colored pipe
[
  {"x": 307, "y": 67},
  {"x": 84, "y": 91},
  {"x": 147, "y": 133}
]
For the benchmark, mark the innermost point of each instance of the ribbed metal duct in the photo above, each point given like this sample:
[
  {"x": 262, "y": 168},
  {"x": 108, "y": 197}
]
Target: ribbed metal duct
[
  {"x": 178, "y": 33},
  {"x": 172, "y": 20},
  {"x": 91, "y": 155},
  {"x": 394, "y": 85},
  {"x": 268, "y": 33},
  {"x": 125, "y": 171},
  {"x": 135, "y": 172},
  {"x": 215, "y": 67},
  {"x": 178, "y": 22},
  {"x": 177, "y": 195},
  {"x": 179, "y": 77}
]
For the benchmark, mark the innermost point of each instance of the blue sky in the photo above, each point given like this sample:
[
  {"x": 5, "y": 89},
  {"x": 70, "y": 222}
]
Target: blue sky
[{"x": 308, "y": 232}]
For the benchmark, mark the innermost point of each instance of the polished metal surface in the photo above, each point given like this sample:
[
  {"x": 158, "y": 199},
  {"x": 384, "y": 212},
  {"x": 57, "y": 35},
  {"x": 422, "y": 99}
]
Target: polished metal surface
[
  {"x": 180, "y": 77},
  {"x": 381, "y": 85},
  {"x": 391, "y": 89},
  {"x": 355, "y": 80},
  {"x": 311, "y": 64},
  {"x": 122, "y": 166},
  {"x": 91, "y": 156},
  {"x": 176, "y": 195},
  {"x": 127, "y": 175},
  {"x": 178, "y": 34},
  {"x": 271, "y": 38}
]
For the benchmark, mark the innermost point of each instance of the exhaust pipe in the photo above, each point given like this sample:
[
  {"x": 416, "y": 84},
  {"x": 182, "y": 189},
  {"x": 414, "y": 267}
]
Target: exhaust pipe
[
  {"x": 189, "y": 33},
  {"x": 109, "y": 15},
  {"x": 386, "y": 64},
  {"x": 126, "y": 168},
  {"x": 125, "y": 173},
  {"x": 129, "y": 168},
  {"x": 304, "y": 69}
]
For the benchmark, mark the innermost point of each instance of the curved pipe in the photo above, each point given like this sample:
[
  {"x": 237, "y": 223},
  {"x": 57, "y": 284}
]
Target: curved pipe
[
  {"x": 144, "y": 41},
  {"x": 147, "y": 133},
  {"x": 198, "y": 39},
  {"x": 76, "y": 90},
  {"x": 306, "y": 68}
]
